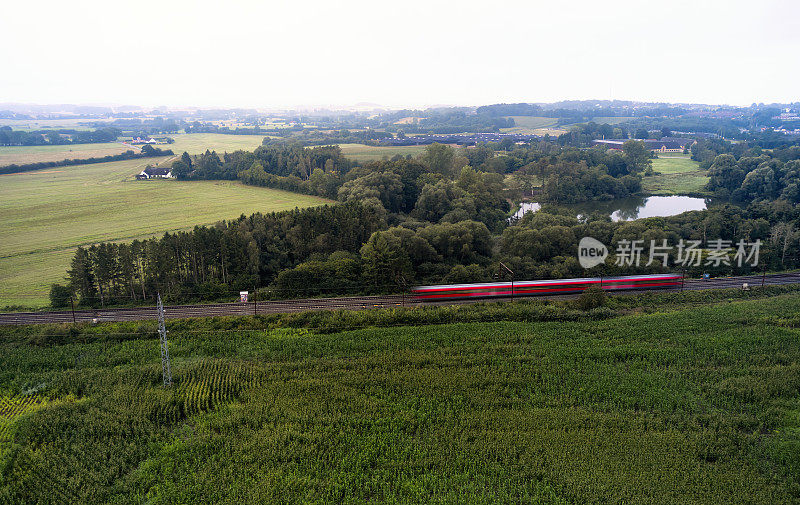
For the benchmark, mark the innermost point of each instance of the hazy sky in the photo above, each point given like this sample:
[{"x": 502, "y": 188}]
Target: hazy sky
[{"x": 398, "y": 53}]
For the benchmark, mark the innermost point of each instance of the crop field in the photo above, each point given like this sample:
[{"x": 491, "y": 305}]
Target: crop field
[
  {"x": 196, "y": 143},
  {"x": 361, "y": 152},
  {"x": 679, "y": 175},
  {"x": 33, "y": 154},
  {"x": 11, "y": 408},
  {"x": 46, "y": 214},
  {"x": 193, "y": 143},
  {"x": 696, "y": 405}
]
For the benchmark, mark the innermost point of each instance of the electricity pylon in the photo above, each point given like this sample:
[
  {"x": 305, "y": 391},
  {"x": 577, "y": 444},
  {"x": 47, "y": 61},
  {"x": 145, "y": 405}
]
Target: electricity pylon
[{"x": 162, "y": 332}]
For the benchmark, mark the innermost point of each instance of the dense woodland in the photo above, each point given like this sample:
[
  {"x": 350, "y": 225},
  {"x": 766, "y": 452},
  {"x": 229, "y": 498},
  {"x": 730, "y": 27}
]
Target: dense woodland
[
  {"x": 440, "y": 217},
  {"x": 568, "y": 174}
]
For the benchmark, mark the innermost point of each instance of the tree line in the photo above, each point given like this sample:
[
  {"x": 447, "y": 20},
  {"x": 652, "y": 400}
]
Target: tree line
[
  {"x": 755, "y": 178},
  {"x": 705, "y": 151},
  {"x": 560, "y": 174},
  {"x": 207, "y": 262},
  {"x": 10, "y": 137},
  {"x": 353, "y": 248}
]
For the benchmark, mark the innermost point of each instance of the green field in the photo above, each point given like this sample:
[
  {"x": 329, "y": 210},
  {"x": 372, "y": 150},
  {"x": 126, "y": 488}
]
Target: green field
[
  {"x": 47, "y": 124},
  {"x": 534, "y": 122},
  {"x": 529, "y": 125},
  {"x": 611, "y": 120},
  {"x": 549, "y": 125},
  {"x": 698, "y": 405},
  {"x": 45, "y": 214},
  {"x": 193, "y": 143},
  {"x": 33, "y": 154},
  {"x": 361, "y": 152},
  {"x": 197, "y": 143},
  {"x": 679, "y": 175},
  {"x": 675, "y": 163}
]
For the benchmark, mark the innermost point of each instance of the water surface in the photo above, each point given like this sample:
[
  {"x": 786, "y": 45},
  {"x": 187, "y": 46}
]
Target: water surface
[{"x": 628, "y": 209}]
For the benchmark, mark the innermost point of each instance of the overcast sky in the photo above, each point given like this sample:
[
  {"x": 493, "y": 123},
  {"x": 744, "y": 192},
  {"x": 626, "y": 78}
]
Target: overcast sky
[{"x": 398, "y": 53}]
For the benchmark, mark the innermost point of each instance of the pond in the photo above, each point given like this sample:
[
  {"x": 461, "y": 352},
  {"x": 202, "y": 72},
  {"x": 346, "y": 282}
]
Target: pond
[{"x": 628, "y": 209}]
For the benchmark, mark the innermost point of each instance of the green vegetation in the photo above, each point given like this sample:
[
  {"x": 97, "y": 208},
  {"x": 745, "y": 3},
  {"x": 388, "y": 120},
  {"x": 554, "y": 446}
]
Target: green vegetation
[
  {"x": 534, "y": 126},
  {"x": 757, "y": 177},
  {"x": 197, "y": 143},
  {"x": 611, "y": 120},
  {"x": 678, "y": 184},
  {"x": 428, "y": 220},
  {"x": 84, "y": 204},
  {"x": 677, "y": 174},
  {"x": 146, "y": 151},
  {"x": 193, "y": 143},
  {"x": 697, "y": 405},
  {"x": 11, "y": 408},
  {"x": 361, "y": 152},
  {"x": 534, "y": 122},
  {"x": 45, "y": 124},
  {"x": 674, "y": 163},
  {"x": 20, "y": 155}
]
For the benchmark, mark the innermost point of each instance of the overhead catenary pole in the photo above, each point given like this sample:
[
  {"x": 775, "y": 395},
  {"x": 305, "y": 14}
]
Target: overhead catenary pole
[
  {"x": 504, "y": 267},
  {"x": 403, "y": 287},
  {"x": 162, "y": 332}
]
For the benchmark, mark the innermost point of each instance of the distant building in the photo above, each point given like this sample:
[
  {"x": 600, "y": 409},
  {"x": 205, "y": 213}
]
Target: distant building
[
  {"x": 155, "y": 173},
  {"x": 149, "y": 140},
  {"x": 665, "y": 145}
]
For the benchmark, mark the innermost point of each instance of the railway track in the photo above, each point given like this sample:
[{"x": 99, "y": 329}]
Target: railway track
[{"x": 347, "y": 302}]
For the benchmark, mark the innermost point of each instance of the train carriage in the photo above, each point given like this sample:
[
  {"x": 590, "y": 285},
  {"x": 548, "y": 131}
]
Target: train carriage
[{"x": 545, "y": 287}]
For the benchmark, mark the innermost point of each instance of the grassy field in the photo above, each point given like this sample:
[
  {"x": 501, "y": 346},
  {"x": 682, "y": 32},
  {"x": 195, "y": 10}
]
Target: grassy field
[
  {"x": 529, "y": 125},
  {"x": 679, "y": 175},
  {"x": 675, "y": 163},
  {"x": 196, "y": 143},
  {"x": 368, "y": 153},
  {"x": 193, "y": 143},
  {"x": 534, "y": 122},
  {"x": 46, "y": 124},
  {"x": 698, "y": 405},
  {"x": 34, "y": 154},
  {"x": 611, "y": 120},
  {"x": 45, "y": 214}
]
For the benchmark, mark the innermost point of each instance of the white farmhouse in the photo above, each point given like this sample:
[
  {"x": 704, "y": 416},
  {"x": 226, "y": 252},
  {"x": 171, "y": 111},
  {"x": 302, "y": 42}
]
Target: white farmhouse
[{"x": 155, "y": 173}]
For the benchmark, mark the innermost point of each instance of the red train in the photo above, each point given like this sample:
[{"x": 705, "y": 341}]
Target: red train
[{"x": 546, "y": 287}]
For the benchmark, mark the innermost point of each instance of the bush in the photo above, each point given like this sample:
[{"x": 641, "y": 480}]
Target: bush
[
  {"x": 60, "y": 296},
  {"x": 592, "y": 298}
]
